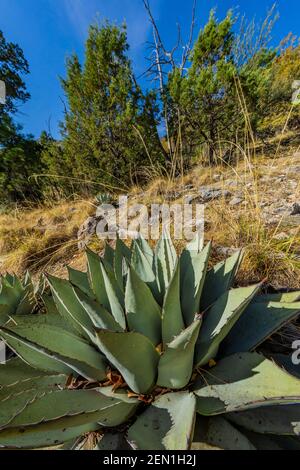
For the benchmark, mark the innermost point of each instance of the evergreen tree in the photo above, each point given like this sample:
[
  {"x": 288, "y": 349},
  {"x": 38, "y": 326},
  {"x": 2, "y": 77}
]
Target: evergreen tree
[
  {"x": 109, "y": 133},
  {"x": 205, "y": 95},
  {"x": 275, "y": 96},
  {"x": 12, "y": 66}
]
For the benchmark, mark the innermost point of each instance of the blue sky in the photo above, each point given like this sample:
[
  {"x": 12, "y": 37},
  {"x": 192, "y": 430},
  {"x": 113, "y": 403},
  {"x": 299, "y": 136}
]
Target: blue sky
[{"x": 49, "y": 30}]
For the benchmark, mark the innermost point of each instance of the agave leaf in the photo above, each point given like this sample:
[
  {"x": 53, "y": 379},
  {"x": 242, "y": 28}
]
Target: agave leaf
[
  {"x": 40, "y": 286},
  {"x": 143, "y": 313},
  {"x": 106, "y": 288},
  {"x": 48, "y": 434},
  {"x": 62, "y": 292},
  {"x": 5, "y": 312},
  {"x": 36, "y": 357},
  {"x": 52, "y": 337},
  {"x": 16, "y": 370},
  {"x": 50, "y": 416},
  {"x": 9, "y": 409},
  {"x": 82, "y": 311},
  {"x": 286, "y": 442},
  {"x": 9, "y": 278},
  {"x": 27, "y": 301},
  {"x": 9, "y": 299},
  {"x": 172, "y": 321},
  {"x": 42, "y": 384},
  {"x": 219, "y": 319},
  {"x": 46, "y": 360},
  {"x": 165, "y": 259},
  {"x": 120, "y": 397},
  {"x": 141, "y": 264},
  {"x": 261, "y": 441},
  {"x": 52, "y": 319},
  {"x": 220, "y": 433},
  {"x": 282, "y": 420},
  {"x": 272, "y": 442},
  {"x": 176, "y": 363},
  {"x": 285, "y": 362},
  {"x": 116, "y": 441},
  {"x": 55, "y": 343},
  {"x": 15, "y": 398},
  {"x": 133, "y": 355},
  {"x": 122, "y": 251},
  {"x": 193, "y": 270},
  {"x": 26, "y": 305},
  {"x": 286, "y": 297},
  {"x": 52, "y": 316},
  {"x": 67, "y": 403},
  {"x": 80, "y": 279},
  {"x": 195, "y": 246},
  {"x": 243, "y": 381},
  {"x": 146, "y": 249},
  {"x": 109, "y": 255},
  {"x": 258, "y": 322},
  {"x": 10, "y": 294},
  {"x": 220, "y": 279},
  {"x": 99, "y": 317},
  {"x": 50, "y": 305},
  {"x": 167, "y": 424}
]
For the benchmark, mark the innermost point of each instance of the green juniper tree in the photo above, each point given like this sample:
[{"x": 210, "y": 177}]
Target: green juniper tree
[
  {"x": 109, "y": 132},
  {"x": 205, "y": 94},
  {"x": 12, "y": 66},
  {"x": 276, "y": 109}
]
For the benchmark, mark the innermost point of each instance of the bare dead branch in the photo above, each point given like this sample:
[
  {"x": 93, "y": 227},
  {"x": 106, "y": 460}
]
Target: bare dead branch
[
  {"x": 188, "y": 47},
  {"x": 152, "y": 20}
]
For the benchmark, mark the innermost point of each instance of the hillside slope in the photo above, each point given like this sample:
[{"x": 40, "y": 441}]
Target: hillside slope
[{"x": 255, "y": 205}]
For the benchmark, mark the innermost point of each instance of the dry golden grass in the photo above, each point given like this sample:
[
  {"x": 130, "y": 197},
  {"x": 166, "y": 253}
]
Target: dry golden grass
[
  {"x": 39, "y": 238},
  {"x": 244, "y": 226},
  {"x": 45, "y": 238}
]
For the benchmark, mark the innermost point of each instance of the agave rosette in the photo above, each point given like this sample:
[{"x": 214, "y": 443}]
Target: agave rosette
[
  {"x": 154, "y": 351},
  {"x": 18, "y": 297}
]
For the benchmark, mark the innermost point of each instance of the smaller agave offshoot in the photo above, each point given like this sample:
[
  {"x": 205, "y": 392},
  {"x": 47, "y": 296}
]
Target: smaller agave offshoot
[{"x": 147, "y": 350}]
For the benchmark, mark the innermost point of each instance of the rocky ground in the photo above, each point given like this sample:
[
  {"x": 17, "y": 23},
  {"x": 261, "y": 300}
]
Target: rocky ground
[{"x": 255, "y": 204}]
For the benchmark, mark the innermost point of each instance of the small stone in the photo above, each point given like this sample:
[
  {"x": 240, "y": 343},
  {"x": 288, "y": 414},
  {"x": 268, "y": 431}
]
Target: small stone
[
  {"x": 172, "y": 195},
  {"x": 294, "y": 169},
  {"x": 279, "y": 210},
  {"x": 209, "y": 194},
  {"x": 235, "y": 201},
  {"x": 230, "y": 183},
  {"x": 295, "y": 209},
  {"x": 188, "y": 199},
  {"x": 86, "y": 231},
  {"x": 225, "y": 250},
  {"x": 281, "y": 236},
  {"x": 271, "y": 220},
  {"x": 187, "y": 187}
]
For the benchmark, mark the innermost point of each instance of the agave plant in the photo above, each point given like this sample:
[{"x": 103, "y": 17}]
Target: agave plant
[
  {"x": 18, "y": 296},
  {"x": 151, "y": 351},
  {"x": 104, "y": 198}
]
